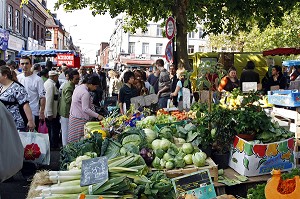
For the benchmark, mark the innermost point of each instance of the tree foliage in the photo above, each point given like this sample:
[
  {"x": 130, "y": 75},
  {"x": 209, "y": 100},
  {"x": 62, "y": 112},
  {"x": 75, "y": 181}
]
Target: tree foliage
[
  {"x": 217, "y": 16},
  {"x": 285, "y": 35}
]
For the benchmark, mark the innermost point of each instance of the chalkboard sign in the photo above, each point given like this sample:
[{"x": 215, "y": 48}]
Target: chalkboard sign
[
  {"x": 197, "y": 185},
  {"x": 94, "y": 171}
]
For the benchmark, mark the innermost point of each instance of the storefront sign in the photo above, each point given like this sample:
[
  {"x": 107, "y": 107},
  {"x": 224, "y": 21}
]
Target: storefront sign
[
  {"x": 65, "y": 58},
  {"x": 15, "y": 43},
  {"x": 194, "y": 185},
  {"x": 32, "y": 44},
  {"x": 4, "y": 37}
]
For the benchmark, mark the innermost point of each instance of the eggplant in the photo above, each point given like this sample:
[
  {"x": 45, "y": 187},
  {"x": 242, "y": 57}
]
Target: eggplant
[{"x": 147, "y": 155}]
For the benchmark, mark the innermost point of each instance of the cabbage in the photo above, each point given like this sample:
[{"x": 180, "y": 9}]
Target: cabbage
[
  {"x": 150, "y": 134},
  {"x": 165, "y": 144},
  {"x": 179, "y": 141},
  {"x": 163, "y": 163},
  {"x": 190, "y": 127},
  {"x": 167, "y": 157},
  {"x": 179, "y": 162},
  {"x": 169, "y": 165},
  {"x": 150, "y": 119},
  {"x": 156, "y": 144},
  {"x": 132, "y": 139},
  {"x": 159, "y": 153},
  {"x": 188, "y": 159},
  {"x": 199, "y": 159},
  {"x": 156, "y": 163},
  {"x": 187, "y": 148}
]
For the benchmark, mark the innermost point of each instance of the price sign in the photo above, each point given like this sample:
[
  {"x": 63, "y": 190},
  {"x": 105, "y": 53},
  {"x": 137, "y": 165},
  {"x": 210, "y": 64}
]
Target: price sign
[
  {"x": 169, "y": 52},
  {"x": 249, "y": 86},
  {"x": 170, "y": 28},
  {"x": 195, "y": 185},
  {"x": 94, "y": 171}
]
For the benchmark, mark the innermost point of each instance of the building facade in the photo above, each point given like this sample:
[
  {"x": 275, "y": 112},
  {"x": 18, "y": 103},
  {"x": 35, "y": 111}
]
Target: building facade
[
  {"x": 143, "y": 48},
  {"x": 22, "y": 27}
]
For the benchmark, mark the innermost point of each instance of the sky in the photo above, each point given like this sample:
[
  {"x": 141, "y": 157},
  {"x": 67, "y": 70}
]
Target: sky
[{"x": 86, "y": 30}]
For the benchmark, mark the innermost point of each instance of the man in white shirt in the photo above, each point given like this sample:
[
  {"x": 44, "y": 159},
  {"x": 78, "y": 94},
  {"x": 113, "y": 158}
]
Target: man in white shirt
[
  {"x": 34, "y": 86},
  {"x": 51, "y": 109}
]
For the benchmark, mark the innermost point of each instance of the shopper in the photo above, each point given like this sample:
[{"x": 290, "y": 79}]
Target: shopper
[
  {"x": 249, "y": 75},
  {"x": 15, "y": 98},
  {"x": 65, "y": 103},
  {"x": 230, "y": 81},
  {"x": 127, "y": 92},
  {"x": 164, "y": 84},
  {"x": 81, "y": 108}
]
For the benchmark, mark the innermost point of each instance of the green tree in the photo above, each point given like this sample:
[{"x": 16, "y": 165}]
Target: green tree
[
  {"x": 285, "y": 35},
  {"x": 217, "y": 16}
]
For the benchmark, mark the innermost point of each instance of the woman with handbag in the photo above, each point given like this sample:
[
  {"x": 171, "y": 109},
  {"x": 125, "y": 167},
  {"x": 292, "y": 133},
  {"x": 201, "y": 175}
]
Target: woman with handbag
[{"x": 14, "y": 96}]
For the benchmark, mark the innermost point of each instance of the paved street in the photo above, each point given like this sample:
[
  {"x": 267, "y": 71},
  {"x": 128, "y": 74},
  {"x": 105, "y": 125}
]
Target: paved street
[{"x": 18, "y": 187}]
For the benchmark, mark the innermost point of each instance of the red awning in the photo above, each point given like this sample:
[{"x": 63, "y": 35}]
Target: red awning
[{"x": 282, "y": 51}]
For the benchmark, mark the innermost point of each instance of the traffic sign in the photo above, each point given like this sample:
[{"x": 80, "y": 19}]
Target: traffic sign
[
  {"x": 169, "y": 52},
  {"x": 170, "y": 28}
]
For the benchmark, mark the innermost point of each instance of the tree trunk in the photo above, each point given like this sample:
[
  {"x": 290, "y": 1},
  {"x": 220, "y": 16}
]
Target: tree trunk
[{"x": 180, "y": 13}]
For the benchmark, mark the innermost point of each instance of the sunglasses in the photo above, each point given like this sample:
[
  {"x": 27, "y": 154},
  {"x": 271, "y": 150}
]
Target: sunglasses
[{"x": 25, "y": 63}]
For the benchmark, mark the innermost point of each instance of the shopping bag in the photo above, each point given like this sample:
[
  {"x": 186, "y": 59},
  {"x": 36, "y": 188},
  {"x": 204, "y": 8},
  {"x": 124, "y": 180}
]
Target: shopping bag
[
  {"x": 36, "y": 147},
  {"x": 43, "y": 127}
]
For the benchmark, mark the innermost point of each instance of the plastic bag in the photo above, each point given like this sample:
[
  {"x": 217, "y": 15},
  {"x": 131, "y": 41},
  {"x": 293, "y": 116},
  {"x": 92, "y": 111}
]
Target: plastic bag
[
  {"x": 43, "y": 127},
  {"x": 36, "y": 147}
]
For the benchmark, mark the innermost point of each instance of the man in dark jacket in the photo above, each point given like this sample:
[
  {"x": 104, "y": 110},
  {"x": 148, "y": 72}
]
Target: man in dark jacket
[
  {"x": 174, "y": 80},
  {"x": 249, "y": 75}
]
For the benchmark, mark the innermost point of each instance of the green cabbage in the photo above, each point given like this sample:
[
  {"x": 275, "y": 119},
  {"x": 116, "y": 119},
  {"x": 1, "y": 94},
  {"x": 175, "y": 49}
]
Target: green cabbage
[
  {"x": 156, "y": 144},
  {"x": 132, "y": 139},
  {"x": 156, "y": 163},
  {"x": 188, "y": 159},
  {"x": 150, "y": 134},
  {"x": 187, "y": 148},
  {"x": 165, "y": 144},
  {"x": 199, "y": 159},
  {"x": 159, "y": 153},
  {"x": 169, "y": 165}
]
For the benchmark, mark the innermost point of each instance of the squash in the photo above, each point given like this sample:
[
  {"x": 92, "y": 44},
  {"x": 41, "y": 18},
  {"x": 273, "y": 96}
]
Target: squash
[{"x": 271, "y": 189}]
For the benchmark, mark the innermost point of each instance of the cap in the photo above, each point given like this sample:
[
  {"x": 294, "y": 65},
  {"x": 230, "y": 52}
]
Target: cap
[{"x": 52, "y": 73}]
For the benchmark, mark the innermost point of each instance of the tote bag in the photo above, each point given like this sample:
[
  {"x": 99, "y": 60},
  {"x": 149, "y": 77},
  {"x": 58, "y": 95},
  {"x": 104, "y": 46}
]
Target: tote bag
[{"x": 36, "y": 147}]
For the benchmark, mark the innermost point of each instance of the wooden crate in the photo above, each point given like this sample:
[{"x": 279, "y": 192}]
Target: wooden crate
[{"x": 210, "y": 165}]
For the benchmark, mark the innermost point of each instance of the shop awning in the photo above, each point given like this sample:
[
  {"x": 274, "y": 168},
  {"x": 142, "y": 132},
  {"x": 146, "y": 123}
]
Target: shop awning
[
  {"x": 282, "y": 51},
  {"x": 291, "y": 63},
  {"x": 137, "y": 62},
  {"x": 46, "y": 53}
]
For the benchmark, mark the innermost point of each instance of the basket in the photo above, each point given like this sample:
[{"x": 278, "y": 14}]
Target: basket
[
  {"x": 210, "y": 165},
  {"x": 290, "y": 98}
]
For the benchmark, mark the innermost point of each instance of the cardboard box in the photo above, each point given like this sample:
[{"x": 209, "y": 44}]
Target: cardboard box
[{"x": 251, "y": 159}]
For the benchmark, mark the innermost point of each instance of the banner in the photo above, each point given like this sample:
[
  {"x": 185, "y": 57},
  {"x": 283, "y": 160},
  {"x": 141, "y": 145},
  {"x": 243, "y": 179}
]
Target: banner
[{"x": 4, "y": 36}]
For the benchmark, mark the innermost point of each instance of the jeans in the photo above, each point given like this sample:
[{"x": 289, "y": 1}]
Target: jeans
[
  {"x": 53, "y": 130},
  {"x": 64, "y": 130},
  {"x": 163, "y": 102}
]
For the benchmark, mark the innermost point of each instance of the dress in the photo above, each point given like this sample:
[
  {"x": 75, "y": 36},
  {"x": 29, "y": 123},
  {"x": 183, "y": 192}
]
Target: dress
[{"x": 14, "y": 97}]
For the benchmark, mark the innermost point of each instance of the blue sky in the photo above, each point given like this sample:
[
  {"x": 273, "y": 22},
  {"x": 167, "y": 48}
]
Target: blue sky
[{"x": 89, "y": 31}]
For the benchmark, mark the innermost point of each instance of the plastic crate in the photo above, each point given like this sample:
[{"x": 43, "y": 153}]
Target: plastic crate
[
  {"x": 290, "y": 98},
  {"x": 158, "y": 127}
]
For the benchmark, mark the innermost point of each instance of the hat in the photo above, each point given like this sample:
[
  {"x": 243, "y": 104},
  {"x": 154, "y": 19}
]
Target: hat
[{"x": 52, "y": 73}]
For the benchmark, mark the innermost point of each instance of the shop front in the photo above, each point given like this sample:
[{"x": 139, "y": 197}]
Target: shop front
[
  {"x": 4, "y": 38},
  {"x": 15, "y": 44}
]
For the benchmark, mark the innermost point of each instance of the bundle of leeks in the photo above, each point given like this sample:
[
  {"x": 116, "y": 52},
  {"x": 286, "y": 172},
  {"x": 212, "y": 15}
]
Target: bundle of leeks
[{"x": 125, "y": 172}]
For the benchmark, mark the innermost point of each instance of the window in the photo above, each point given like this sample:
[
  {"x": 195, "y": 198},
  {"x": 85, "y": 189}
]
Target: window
[
  {"x": 147, "y": 31},
  {"x": 131, "y": 47},
  {"x": 191, "y": 49},
  {"x": 38, "y": 32},
  {"x": 191, "y": 35},
  {"x": 145, "y": 48},
  {"x": 17, "y": 20},
  {"x": 201, "y": 48},
  {"x": 29, "y": 33},
  {"x": 159, "y": 31},
  {"x": 159, "y": 48},
  {"x": 24, "y": 26},
  {"x": 10, "y": 17},
  {"x": 34, "y": 31},
  {"x": 200, "y": 33},
  {"x": 42, "y": 33}
]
